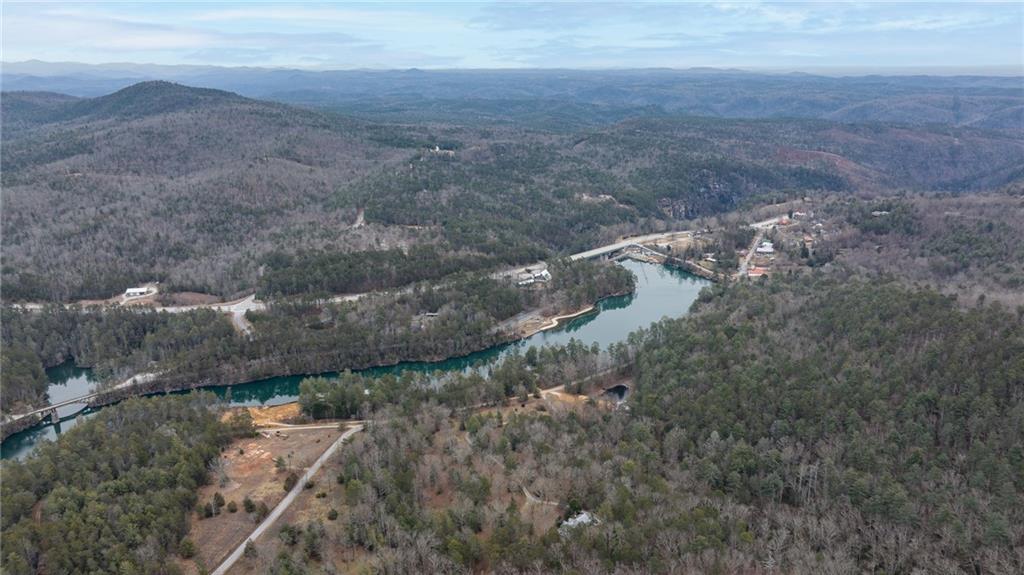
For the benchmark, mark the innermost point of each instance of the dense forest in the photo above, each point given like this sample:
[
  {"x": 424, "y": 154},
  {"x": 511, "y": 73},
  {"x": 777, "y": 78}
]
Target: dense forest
[
  {"x": 806, "y": 425},
  {"x": 101, "y": 194},
  {"x": 517, "y": 376},
  {"x": 428, "y": 322},
  {"x": 861, "y": 410},
  {"x": 114, "y": 494},
  {"x": 357, "y": 272},
  {"x": 971, "y": 244},
  {"x": 967, "y": 245}
]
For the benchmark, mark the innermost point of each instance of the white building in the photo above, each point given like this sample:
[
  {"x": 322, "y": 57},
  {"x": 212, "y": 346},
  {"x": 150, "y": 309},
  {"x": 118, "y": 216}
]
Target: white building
[
  {"x": 137, "y": 291},
  {"x": 766, "y": 247},
  {"x": 442, "y": 152},
  {"x": 529, "y": 278},
  {"x": 581, "y": 518}
]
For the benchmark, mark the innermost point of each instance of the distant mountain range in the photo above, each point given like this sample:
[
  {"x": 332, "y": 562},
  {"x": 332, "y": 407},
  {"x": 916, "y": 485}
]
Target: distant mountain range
[{"x": 567, "y": 99}]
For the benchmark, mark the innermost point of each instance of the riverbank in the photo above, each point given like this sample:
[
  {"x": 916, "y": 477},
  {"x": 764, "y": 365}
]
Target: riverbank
[
  {"x": 660, "y": 291},
  {"x": 553, "y": 321},
  {"x": 697, "y": 270},
  {"x": 226, "y": 376},
  {"x": 10, "y": 427}
]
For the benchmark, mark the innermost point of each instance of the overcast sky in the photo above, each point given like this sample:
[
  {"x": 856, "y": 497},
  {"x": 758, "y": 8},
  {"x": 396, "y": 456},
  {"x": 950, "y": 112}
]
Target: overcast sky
[{"x": 782, "y": 36}]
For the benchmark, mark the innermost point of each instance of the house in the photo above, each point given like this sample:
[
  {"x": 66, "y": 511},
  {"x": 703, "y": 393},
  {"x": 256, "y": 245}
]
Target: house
[
  {"x": 137, "y": 291},
  {"x": 580, "y": 519},
  {"x": 438, "y": 151},
  {"x": 529, "y": 278},
  {"x": 756, "y": 272},
  {"x": 766, "y": 247}
]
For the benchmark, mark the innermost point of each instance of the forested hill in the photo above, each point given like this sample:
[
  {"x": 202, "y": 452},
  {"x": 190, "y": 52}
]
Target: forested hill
[
  {"x": 202, "y": 189},
  {"x": 161, "y": 181},
  {"x": 114, "y": 496},
  {"x": 137, "y": 101},
  {"x": 871, "y": 427}
]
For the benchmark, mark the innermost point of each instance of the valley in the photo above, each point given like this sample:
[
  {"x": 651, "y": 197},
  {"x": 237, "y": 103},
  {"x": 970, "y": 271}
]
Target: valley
[
  {"x": 659, "y": 292},
  {"x": 301, "y": 321}
]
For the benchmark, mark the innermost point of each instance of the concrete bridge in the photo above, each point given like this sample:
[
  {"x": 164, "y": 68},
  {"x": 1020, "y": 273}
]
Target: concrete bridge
[
  {"x": 636, "y": 241},
  {"x": 50, "y": 411},
  {"x": 644, "y": 253}
]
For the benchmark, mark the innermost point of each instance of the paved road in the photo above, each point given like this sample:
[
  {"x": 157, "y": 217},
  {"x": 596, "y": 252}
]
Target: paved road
[
  {"x": 592, "y": 253},
  {"x": 84, "y": 399},
  {"x": 287, "y": 501},
  {"x": 236, "y": 308},
  {"x": 761, "y": 228},
  {"x": 745, "y": 264},
  {"x": 623, "y": 244},
  {"x": 289, "y": 427}
]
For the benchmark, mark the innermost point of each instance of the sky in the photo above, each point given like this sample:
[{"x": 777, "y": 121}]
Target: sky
[{"x": 872, "y": 36}]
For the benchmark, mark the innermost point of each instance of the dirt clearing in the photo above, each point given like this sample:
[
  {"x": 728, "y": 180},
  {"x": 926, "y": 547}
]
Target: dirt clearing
[{"x": 247, "y": 469}]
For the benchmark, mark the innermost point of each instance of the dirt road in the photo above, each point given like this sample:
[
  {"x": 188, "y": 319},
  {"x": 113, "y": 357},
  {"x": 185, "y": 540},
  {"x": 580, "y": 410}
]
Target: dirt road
[{"x": 288, "y": 500}]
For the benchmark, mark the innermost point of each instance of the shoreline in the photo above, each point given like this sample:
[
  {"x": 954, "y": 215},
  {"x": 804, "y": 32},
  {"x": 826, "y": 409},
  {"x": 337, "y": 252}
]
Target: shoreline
[
  {"x": 177, "y": 384},
  {"x": 554, "y": 321},
  {"x": 121, "y": 391}
]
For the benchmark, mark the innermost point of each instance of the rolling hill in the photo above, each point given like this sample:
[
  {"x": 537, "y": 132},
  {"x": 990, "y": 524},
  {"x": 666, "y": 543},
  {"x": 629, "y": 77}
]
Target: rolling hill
[
  {"x": 573, "y": 99},
  {"x": 204, "y": 189}
]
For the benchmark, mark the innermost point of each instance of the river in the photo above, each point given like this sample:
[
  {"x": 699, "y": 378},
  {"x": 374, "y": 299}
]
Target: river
[{"x": 660, "y": 292}]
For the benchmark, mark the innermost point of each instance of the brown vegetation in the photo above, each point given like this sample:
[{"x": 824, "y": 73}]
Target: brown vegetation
[{"x": 247, "y": 469}]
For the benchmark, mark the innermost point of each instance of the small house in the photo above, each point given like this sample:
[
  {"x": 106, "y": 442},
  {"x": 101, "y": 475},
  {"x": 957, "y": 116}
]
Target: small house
[
  {"x": 528, "y": 278},
  {"x": 136, "y": 291},
  {"x": 756, "y": 272},
  {"x": 580, "y": 519}
]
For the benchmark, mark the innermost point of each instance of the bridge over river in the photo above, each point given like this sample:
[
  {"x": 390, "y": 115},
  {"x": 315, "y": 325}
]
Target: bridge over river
[
  {"x": 636, "y": 241},
  {"x": 238, "y": 308}
]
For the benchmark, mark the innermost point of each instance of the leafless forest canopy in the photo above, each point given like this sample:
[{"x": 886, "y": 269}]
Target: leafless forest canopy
[
  {"x": 861, "y": 410},
  {"x": 202, "y": 189}
]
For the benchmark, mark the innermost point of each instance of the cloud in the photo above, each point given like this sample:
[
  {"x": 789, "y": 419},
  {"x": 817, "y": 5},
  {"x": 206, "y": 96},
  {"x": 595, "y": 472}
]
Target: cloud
[
  {"x": 600, "y": 34},
  {"x": 515, "y": 16},
  {"x": 382, "y": 16},
  {"x": 935, "y": 22},
  {"x": 106, "y": 36}
]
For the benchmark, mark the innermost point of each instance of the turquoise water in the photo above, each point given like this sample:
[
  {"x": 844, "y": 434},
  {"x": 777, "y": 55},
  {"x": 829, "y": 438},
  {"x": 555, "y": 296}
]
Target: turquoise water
[{"x": 660, "y": 292}]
